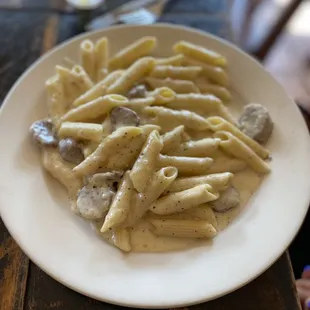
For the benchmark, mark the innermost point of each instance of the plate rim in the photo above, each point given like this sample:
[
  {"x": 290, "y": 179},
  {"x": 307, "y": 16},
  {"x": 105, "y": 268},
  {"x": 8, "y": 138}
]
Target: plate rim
[{"x": 193, "y": 301}]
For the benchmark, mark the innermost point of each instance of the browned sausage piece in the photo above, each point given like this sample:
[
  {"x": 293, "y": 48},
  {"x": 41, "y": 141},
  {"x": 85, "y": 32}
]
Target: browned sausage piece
[
  {"x": 70, "y": 151},
  {"x": 43, "y": 132},
  {"x": 93, "y": 202},
  {"x": 228, "y": 199},
  {"x": 256, "y": 122},
  {"x": 138, "y": 91},
  {"x": 121, "y": 116}
]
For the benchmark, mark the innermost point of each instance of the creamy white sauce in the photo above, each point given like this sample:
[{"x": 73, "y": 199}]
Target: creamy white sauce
[
  {"x": 143, "y": 240},
  {"x": 142, "y": 237}
]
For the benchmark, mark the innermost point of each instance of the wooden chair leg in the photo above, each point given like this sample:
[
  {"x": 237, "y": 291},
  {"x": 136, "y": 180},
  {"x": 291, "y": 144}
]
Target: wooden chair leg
[{"x": 276, "y": 30}]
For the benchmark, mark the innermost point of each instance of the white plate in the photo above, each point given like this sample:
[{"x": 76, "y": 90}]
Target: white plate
[{"x": 35, "y": 210}]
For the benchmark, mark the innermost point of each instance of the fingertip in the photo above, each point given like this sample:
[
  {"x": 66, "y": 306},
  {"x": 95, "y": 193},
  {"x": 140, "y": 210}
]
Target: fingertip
[{"x": 307, "y": 304}]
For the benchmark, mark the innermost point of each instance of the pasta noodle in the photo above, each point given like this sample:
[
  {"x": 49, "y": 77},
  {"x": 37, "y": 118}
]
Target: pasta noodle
[
  {"x": 200, "y": 148},
  {"x": 200, "y": 53},
  {"x": 133, "y": 74},
  {"x": 172, "y": 139},
  {"x": 119, "y": 137},
  {"x": 214, "y": 74},
  {"x": 159, "y": 182},
  {"x": 81, "y": 131},
  {"x": 163, "y": 116},
  {"x": 121, "y": 204},
  {"x": 218, "y": 181},
  {"x": 178, "y": 86},
  {"x": 121, "y": 239},
  {"x": 217, "y": 90},
  {"x": 88, "y": 57},
  {"x": 162, "y": 95},
  {"x": 186, "y": 165},
  {"x": 125, "y": 57},
  {"x": 178, "y": 73},
  {"x": 219, "y": 124},
  {"x": 232, "y": 145},
  {"x": 175, "y": 60},
  {"x": 101, "y": 50},
  {"x": 94, "y": 109},
  {"x": 98, "y": 90},
  {"x": 187, "y": 199},
  {"x": 146, "y": 163},
  {"x": 183, "y": 228}
]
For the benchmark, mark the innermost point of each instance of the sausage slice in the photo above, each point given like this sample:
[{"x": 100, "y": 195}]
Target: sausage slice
[
  {"x": 138, "y": 91},
  {"x": 70, "y": 151},
  {"x": 43, "y": 132},
  {"x": 228, "y": 199},
  {"x": 93, "y": 202},
  {"x": 121, "y": 116},
  {"x": 256, "y": 122}
]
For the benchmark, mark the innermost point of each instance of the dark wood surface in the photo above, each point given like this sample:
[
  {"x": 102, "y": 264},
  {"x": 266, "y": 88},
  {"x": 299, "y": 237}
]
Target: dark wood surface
[{"x": 29, "y": 28}]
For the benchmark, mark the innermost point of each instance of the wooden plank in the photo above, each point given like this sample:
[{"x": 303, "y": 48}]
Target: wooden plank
[
  {"x": 13, "y": 272},
  {"x": 20, "y": 36},
  {"x": 274, "y": 290}
]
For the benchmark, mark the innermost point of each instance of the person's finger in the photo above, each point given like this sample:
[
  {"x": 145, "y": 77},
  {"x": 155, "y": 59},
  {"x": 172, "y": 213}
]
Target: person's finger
[
  {"x": 304, "y": 283},
  {"x": 307, "y": 304},
  {"x": 306, "y": 272}
]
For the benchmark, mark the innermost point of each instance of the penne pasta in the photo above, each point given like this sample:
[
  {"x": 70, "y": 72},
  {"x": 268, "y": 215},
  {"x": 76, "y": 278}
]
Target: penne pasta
[
  {"x": 121, "y": 204},
  {"x": 133, "y": 74},
  {"x": 138, "y": 104},
  {"x": 200, "y": 148},
  {"x": 181, "y": 201},
  {"x": 172, "y": 139},
  {"x": 178, "y": 86},
  {"x": 87, "y": 56},
  {"x": 74, "y": 84},
  {"x": 227, "y": 164},
  {"x": 81, "y": 131},
  {"x": 120, "y": 138},
  {"x": 146, "y": 163},
  {"x": 56, "y": 101},
  {"x": 214, "y": 74},
  {"x": 121, "y": 239},
  {"x": 176, "y": 60},
  {"x": 79, "y": 70},
  {"x": 94, "y": 109},
  {"x": 101, "y": 50},
  {"x": 183, "y": 228},
  {"x": 200, "y": 53},
  {"x": 219, "y": 124},
  {"x": 171, "y": 118},
  {"x": 124, "y": 156},
  {"x": 178, "y": 73},
  {"x": 219, "y": 91},
  {"x": 218, "y": 181},
  {"x": 186, "y": 165},
  {"x": 127, "y": 56},
  {"x": 234, "y": 146},
  {"x": 204, "y": 212},
  {"x": 162, "y": 95},
  {"x": 98, "y": 90},
  {"x": 159, "y": 182}
]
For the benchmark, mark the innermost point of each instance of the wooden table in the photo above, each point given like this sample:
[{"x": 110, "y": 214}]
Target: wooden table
[{"x": 29, "y": 28}]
